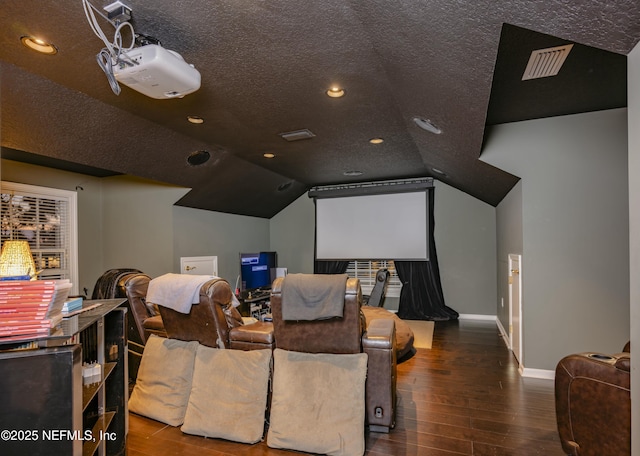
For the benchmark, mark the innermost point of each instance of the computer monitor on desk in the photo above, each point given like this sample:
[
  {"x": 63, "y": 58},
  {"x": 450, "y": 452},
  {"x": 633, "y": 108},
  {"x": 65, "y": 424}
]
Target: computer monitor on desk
[{"x": 257, "y": 271}]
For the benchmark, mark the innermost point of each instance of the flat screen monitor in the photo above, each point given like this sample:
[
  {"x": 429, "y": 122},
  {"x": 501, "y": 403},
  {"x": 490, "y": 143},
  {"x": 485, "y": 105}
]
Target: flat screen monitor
[{"x": 258, "y": 270}]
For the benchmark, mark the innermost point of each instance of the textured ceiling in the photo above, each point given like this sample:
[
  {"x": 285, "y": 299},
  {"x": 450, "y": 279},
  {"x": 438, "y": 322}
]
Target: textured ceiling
[{"x": 265, "y": 67}]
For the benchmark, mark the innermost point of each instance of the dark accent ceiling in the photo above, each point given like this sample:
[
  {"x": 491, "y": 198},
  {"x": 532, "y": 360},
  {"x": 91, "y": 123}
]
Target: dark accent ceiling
[{"x": 265, "y": 67}]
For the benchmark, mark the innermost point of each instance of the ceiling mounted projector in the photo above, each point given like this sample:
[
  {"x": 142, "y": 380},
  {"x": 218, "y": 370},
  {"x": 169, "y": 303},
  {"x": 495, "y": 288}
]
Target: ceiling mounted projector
[{"x": 156, "y": 72}]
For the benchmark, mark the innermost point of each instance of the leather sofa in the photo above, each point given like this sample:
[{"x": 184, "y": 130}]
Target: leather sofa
[
  {"x": 214, "y": 321},
  {"x": 349, "y": 334},
  {"x": 593, "y": 403}
]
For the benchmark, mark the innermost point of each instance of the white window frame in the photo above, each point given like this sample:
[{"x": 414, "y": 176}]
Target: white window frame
[
  {"x": 72, "y": 219},
  {"x": 365, "y": 270}
]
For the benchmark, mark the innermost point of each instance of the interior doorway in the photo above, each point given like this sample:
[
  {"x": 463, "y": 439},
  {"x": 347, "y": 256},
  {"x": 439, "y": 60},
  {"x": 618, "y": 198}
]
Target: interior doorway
[{"x": 515, "y": 305}]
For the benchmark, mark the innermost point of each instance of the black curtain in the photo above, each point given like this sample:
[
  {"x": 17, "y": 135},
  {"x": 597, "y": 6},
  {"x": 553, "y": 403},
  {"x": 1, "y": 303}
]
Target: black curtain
[
  {"x": 330, "y": 267},
  {"x": 421, "y": 297}
]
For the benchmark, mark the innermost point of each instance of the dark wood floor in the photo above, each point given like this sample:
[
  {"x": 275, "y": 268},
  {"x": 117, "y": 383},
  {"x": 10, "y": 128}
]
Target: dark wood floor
[{"x": 462, "y": 397}]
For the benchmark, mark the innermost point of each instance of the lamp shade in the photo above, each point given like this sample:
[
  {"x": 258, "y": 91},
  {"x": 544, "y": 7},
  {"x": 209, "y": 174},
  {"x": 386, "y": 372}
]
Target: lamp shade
[{"x": 16, "y": 259}]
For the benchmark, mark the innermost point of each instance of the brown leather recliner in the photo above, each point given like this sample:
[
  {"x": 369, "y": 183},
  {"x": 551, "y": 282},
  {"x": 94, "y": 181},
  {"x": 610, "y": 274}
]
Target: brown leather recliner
[
  {"x": 348, "y": 335},
  {"x": 214, "y": 321},
  {"x": 593, "y": 403},
  {"x": 142, "y": 319}
]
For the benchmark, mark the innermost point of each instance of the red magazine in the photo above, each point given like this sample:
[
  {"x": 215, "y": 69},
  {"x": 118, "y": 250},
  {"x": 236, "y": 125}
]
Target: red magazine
[{"x": 25, "y": 331}]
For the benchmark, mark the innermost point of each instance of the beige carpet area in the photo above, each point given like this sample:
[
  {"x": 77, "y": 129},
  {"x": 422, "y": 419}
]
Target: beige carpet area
[{"x": 422, "y": 332}]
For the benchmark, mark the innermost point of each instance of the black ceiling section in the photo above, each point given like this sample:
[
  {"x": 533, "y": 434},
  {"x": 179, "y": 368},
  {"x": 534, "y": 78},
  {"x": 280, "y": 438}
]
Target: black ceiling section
[
  {"x": 590, "y": 80},
  {"x": 56, "y": 163}
]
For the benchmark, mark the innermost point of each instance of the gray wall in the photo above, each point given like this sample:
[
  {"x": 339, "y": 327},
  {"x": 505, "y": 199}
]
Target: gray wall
[
  {"x": 143, "y": 229},
  {"x": 292, "y": 234},
  {"x": 465, "y": 235},
  {"x": 137, "y": 224},
  {"x": 575, "y": 276},
  {"x": 203, "y": 233},
  {"x": 633, "y": 63}
]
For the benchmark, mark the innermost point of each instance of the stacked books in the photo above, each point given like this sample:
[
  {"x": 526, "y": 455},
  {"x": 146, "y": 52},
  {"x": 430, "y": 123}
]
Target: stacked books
[
  {"x": 71, "y": 305},
  {"x": 31, "y": 308},
  {"x": 70, "y": 310}
]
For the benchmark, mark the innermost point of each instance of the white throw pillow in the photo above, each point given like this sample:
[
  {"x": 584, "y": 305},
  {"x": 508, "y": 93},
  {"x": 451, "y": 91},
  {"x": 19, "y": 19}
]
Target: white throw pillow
[
  {"x": 318, "y": 403},
  {"x": 228, "y": 394},
  {"x": 164, "y": 380}
]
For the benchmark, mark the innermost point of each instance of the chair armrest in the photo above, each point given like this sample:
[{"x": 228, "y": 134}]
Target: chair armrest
[
  {"x": 593, "y": 403},
  {"x": 379, "y": 343},
  {"x": 380, "y": 334},
  {"x": 255, "y": 336}
]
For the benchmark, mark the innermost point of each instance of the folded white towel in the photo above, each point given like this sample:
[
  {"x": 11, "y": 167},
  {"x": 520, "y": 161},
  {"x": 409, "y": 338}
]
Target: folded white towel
[{"x": 176, "y": 291}]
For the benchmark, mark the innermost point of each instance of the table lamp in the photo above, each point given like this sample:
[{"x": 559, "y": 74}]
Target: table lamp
[{"x": 16, "y": 259}]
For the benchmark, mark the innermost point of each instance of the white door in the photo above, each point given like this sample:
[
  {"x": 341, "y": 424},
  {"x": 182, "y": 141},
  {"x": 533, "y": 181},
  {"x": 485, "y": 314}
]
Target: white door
[
  {"x": 515, "y": 306},
  {"x": 202, "y": 265}
]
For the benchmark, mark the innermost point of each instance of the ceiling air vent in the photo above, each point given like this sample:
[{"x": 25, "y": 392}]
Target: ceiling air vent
[
  {"x": 546, "y": 62},
  {"x": 297, "y": 135}
]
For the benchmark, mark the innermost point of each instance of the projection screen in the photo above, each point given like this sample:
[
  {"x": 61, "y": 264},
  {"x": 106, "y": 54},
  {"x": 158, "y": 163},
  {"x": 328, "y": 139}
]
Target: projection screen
[{"x": 383, "y": 226}]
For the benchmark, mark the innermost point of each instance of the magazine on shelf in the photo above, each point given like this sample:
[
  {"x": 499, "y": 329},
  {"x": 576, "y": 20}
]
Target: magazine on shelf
[{"x": 31, "y": 307}]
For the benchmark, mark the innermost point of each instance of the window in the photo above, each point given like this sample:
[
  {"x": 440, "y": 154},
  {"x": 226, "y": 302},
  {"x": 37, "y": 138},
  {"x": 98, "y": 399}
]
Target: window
[
  {"x": 46, "y": 218},
  {"x": 365, "y": 270}
]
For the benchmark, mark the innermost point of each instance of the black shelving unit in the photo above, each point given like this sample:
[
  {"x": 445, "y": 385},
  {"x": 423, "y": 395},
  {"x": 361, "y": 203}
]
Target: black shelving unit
[{"x": 47, "y": 410}]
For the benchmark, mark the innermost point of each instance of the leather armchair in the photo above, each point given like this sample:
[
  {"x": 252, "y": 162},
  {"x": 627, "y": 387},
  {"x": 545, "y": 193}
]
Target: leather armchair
[
  {"x": 349, "y": 334},
  {"x": 214, "y": 321},
  {"x": 593, "y": 403},
  {"x": 144, "y": 319}
]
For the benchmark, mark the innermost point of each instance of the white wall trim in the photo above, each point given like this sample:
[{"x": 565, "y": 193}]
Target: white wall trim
[
  {"x": 524, "y": 372},
  {"x": 477, "y": 317},
  {"x": 537, "y": 373},
  {"x": 503, "y": 333}
]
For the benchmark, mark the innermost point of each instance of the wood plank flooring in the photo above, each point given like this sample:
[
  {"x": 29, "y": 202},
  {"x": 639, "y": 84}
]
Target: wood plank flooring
[{"x": 462, "y": 397}]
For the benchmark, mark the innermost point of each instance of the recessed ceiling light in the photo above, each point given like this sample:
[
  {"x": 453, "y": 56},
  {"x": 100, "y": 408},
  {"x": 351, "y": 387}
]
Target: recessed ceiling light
[
  {"x": 352, "y": 173},
  {"x": 38, "y": 45},
  {"x": 335, "y": 92},
  {"x": 268, "y": 155},
  {"x": 195, "y": 119},
  {"x": 198, "y": 157},
  {"x": 376, "y": 140},
  {"x": 283, "y": 187},
  {"x": 439, "y": 171},
  {"x": 427, "y": 125}
]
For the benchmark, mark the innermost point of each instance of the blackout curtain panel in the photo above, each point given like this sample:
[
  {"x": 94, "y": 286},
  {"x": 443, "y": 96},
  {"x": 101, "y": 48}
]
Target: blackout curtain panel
[
  {"x": 330, "y": 267},
  {"x": 421, "y": 297}
]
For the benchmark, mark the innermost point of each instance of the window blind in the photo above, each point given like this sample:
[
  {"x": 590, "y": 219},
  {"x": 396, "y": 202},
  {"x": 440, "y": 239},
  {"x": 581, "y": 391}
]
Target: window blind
[
  {"x": 46, "y": 219},
  {"x": 365, "y": 270}
]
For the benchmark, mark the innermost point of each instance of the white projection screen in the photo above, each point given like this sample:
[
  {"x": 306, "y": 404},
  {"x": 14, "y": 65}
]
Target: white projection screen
[{"x": 387, "y": 226}]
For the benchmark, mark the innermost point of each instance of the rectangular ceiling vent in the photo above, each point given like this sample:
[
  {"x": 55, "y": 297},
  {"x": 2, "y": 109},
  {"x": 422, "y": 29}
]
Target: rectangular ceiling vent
[
  {"x": 546, "y": 62},
  {"x": 297, "y": 135}
]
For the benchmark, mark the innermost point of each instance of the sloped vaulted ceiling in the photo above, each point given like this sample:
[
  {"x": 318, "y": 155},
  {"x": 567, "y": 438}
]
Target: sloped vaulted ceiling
[{"x": 265, "y": 67}]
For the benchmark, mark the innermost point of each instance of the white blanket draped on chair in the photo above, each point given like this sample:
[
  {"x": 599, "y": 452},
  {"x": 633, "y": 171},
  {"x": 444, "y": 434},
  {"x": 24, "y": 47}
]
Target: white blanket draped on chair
[{"x": 176, "y": 291}]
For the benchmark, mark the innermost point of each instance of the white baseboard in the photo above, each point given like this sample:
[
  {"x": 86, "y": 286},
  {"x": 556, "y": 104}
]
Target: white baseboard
[
  {"x": 503, "y": 333},
  {"x": 477, "y": 317},
  {"x": 524, "y": 371},
  {"x": 537, "y": 373}
]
